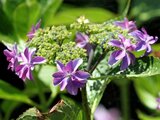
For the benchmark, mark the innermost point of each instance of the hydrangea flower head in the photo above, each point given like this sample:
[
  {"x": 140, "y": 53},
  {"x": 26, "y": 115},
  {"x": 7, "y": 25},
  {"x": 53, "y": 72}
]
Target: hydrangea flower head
[
  {"x": 12, "y": 57},
  {"x": 124, "y": 52},
  {"x": 30, "y": 35},
  {"x": 69, "y": 77},
  {"x": 129, "y": 25},
  {"x": 28, "y": 61},
  {"x": 144, "y": 41},
  {"x": 82, "y": 41}
]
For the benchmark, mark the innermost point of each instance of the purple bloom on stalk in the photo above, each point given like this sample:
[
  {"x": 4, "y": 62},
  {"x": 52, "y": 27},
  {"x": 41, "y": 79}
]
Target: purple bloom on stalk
[
  {"x": 102, "y": 113},
  {"x": 129, "y": 25},
  {"x": 144, "y": 41},
  {"x": 12, "y": 57},
  {"x": 33, "y": 30},
  {"x": 28, "y": 61},
  {"x": 69, "y": 77},
  {"x": 123, "y": 54},
  {"x": 82, "y": 41},
  {"x": 158, "y": 105}
]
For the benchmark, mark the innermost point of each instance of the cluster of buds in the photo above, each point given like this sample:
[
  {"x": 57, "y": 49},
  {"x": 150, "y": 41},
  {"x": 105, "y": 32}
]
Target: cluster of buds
[{"x": 69, "y": 47}]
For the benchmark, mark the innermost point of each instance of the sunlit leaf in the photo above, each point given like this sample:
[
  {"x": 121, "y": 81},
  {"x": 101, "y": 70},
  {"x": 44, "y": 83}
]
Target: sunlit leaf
[
  {"x": 24, "y": 16},
  {"x": 69, "y": 16}
]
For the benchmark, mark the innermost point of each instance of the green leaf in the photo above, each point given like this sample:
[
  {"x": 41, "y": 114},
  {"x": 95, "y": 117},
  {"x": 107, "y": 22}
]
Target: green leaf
[
  {"x": 144, "y": 10},
  {"x": 10, "y": 93},
  {"x": 66, "y": 109},
  {"x": 51, "y": 7},
  {"x": 143, "y": 67},
  {"x": 30, "y": 114},
  {"x": 96, "y": 88},
  {"x": 45, "y": 75},
  {"x": 9, "y": 6},
  {"x": 69, "y": 16},
  {"x": 143, "y": 116},
  {"x": 148, "y": 90},
  {"x": 24, "y": 16}
]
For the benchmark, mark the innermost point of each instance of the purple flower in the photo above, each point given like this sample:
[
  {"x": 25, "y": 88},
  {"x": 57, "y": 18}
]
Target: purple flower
[
  {"x": 82, "y": 41},
  {"x": 30, "y": 35},
  {"x": 102, "y": 113},
  {"x": 28, "y": 61},
  {"x": 69, "y": 77},
  {"x": 158, "y": 105},
  {"x": 129, "y": 25},
  {"x": 144, "y": 41},
  {"x": 123, "y": 54},
  {"x": 12, "y": 57}
]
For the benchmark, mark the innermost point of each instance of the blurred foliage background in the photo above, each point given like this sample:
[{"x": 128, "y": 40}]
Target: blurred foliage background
[{"x": 16, "y": 20}]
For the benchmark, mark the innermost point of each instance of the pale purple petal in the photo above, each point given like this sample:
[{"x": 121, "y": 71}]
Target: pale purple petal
[
  {"x": 71, "y": 88},
  {"x": 76, "y": 63},
  {"x": 29, "y": 74},
  {"x": 64, "y": 83},
  {"x": 115, "y": 43},
  {"x": 69, "y": 67},
  {"x": 141, "y": 46},
  {"x": 57, "y": 81},
  {"x": 120, "y": 54},
  {"x": 38, "y": 60},
  {"x": 132, "y": 57},
  {"x": 38, "y": 25},
  {"x": 125, "y": 62},
  {"x": 81, "y": 75},
  {"x": 59, "y": 75},
  {"x": 60, "y": 66},
  {"x": 112, "y": 57},
  {"x": 80, "y": 37}
]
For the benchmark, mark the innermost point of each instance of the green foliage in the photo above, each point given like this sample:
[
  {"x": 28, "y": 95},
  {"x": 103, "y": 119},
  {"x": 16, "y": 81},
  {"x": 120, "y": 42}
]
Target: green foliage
[
  {"x": 10, "y": 93},
  {"x": 143, "y": 116},
  {"x": 24, "y": 16},
  {"x": 66, "y": 109},
  {"x": 147, "y": 89},
  {"x": 144, "y": 10}
]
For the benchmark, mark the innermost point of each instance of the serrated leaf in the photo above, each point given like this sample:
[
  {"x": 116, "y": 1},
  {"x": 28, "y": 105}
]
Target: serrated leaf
[
  {"x": 30, "y": 114},
  {"x": 143, "y": 67},
  {"x": 10, "y": 93},
  {"x": 69, "y": 16},
  {"x": 24, "y": 16},
  {"x": 66, "y": 109}
]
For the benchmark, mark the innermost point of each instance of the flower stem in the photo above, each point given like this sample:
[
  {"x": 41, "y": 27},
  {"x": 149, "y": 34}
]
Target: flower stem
[
  {"x": 86, "y": 108},
  {"x": 125, "y": 99}
]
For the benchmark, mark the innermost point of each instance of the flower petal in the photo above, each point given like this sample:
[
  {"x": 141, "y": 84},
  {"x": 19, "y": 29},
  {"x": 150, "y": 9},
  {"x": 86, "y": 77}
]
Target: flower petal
[
  {"x": 140, "y": 46},
  {"x": 71, "y": 88},
  {"x": 60, "y": 66},
  {"x": 112, "y": 59},
  {"x": 64, "y": 83},
  {"x": 59, "y": 75},
  {"x": 125, "y": 62},
  {"x": 38, "y": 60},
  {"x": 81, "y": 75},
  {"x": 120, "y": 54},
  {"x": 115, "y": 43},
  {"x": 76, "y": 63},
  {"x": 29, "y": 74}
]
